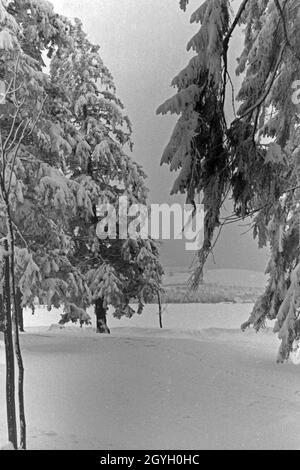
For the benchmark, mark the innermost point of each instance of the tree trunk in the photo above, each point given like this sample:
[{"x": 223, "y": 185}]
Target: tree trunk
[
  {"x": 159, "y": 309},
  {"x": 9, "y": 354},
  {"x": 15, "y": 322},
  {"x": 1, "y": 314},
  {"x": 20, "y": 367},
  {"x": 19, "y": 310},
  {"x": 100, "y": 313}
]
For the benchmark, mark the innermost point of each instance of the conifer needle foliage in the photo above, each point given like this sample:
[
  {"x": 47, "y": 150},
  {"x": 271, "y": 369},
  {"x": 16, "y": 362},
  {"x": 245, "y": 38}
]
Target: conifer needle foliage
[
  {"x": 64, "y": 147},
  {"x": 255, "y": 157}
]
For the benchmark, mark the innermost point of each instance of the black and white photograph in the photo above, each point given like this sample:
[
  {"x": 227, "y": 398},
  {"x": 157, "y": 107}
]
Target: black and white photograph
[{"x": 149, "y": 228}]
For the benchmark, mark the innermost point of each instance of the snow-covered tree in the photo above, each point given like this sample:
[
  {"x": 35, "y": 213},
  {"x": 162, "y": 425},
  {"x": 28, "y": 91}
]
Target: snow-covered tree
[
  {"x": 35, "y": 195},
  {"x": 197, "y": 146},
  {"x": 255, "y": 157},
  {"x": 91, "y": 118}
]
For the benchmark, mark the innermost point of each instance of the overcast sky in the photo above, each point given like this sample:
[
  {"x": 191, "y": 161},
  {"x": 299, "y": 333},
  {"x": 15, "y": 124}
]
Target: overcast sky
[{"x": 143, "y": 43}]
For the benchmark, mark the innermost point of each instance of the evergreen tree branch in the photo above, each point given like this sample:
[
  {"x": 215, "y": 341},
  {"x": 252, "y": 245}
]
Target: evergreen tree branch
[
  {"x": 281, "y": 12},
  {"x": 226, "y": 45},
  {"x": 269, "y": 87},
  {"x": 235, "y": 22},
  {"x": 10, "y": 146},
  {"x": 15, "y": 155},
  {"x": 20, "y": 234}
]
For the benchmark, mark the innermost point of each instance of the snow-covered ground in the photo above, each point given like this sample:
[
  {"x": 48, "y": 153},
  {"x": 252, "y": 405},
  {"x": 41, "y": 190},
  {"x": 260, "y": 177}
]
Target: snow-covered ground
[{"x": 198, "y": 384}]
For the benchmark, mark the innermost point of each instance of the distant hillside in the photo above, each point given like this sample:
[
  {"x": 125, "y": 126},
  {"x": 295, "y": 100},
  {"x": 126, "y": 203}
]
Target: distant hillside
[
  {"x": 226, "y": 277},
  {"x": 220, "y": 285}
]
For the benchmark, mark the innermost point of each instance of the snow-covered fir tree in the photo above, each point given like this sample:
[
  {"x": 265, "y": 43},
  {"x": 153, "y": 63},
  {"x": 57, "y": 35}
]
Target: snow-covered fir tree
[
  {"x": 255, "y": 158},
  {"x": 41, "y": 194},
  {"x": 92, "y": 120},
  {"x": 36, "y": 196}
]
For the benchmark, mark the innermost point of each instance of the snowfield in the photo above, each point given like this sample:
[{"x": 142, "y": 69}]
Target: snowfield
[{"x": 198, "y": 384}]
